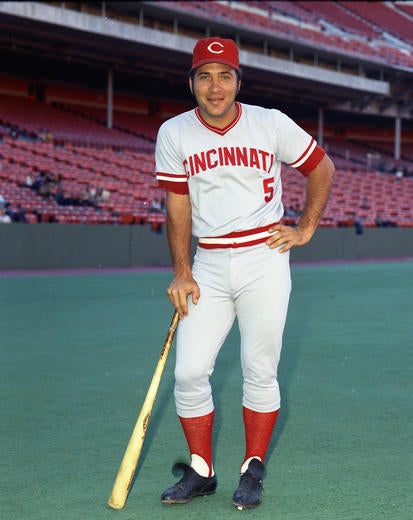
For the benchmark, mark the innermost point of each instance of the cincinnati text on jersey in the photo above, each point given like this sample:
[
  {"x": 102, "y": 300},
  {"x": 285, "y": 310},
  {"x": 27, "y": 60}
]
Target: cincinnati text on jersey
[{"x": 228, "y": 156}]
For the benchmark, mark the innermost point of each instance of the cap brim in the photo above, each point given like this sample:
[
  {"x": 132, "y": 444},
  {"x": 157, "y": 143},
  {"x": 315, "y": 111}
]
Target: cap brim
[{"x": 208, "y": 60}]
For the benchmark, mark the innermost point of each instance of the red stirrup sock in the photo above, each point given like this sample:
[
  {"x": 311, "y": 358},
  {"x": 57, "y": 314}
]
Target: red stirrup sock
[
  {"x": 198, "y": 434},
  {"x": 258, "y": 431}
]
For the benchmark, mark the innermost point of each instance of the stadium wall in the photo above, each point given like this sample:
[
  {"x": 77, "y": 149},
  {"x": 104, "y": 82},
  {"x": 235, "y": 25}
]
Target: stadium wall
[{"x": 67, "y": 246}]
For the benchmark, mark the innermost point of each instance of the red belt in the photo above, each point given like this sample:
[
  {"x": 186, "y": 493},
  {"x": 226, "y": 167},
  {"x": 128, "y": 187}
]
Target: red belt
[{"x": 237, "y": 238}]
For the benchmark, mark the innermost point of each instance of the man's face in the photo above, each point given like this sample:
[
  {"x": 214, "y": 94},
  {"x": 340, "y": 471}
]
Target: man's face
[{"x": 215, "y": 87}]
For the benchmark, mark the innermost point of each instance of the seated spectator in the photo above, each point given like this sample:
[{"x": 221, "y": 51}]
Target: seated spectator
[
  {"x": 89, "y": 196},
  {"x": 46, "y": 189},
  {"x": 62, "y": 198},
  {"x": 39, "y": 181},
  {"x": 291, "y": 212},
  {"x": 19, "y": 215},
  {"x": 29, "y": 180},
  {"x": 155, "y": 206},
  {"x": 14, "y": 131},
  {"x": 384, "y": 223},
  {"x": 16, "y": 213},
  {"x": 4, "y": 218},
  {"x": 399, "y": 173},
  {"x": 102, "y": 195},
  {"x": 379, "y": 221}
]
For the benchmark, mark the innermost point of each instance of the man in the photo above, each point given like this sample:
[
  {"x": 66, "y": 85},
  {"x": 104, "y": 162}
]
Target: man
[{"x": 220, "y": 165}]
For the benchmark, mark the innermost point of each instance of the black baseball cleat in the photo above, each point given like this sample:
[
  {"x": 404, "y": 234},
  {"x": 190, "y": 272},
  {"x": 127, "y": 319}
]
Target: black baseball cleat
[
  {"x": 249, "y": 491},
  {"x": 190, "y": 486}
]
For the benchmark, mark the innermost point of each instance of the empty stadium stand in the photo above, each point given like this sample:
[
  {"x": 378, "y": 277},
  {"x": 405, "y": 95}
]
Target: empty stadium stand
[
  {"x": 84, "y": 154},
  {"x": 383, "y": 15},
  {"x": 341, "y": 17},
  {"x": 34, "y": 117},
  {"x": 353, "y": 27},
  {"x": 64, "y": 136}
]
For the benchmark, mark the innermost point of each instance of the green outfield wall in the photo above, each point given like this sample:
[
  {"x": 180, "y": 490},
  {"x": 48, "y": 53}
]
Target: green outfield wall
[{"x": 57, "y": 246}]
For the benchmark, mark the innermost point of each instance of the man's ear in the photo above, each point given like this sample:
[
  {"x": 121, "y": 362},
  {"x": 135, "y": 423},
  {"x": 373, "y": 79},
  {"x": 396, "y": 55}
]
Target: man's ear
[{"x": 191, "y": 86}]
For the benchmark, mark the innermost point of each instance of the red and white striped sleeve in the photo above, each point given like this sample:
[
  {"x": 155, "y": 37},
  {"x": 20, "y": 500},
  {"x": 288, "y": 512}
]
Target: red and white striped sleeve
[
  {"x": 173, "y": 182},
  {"x": 296, "y": 147},
  {"x": 170, "y": 172},
  {"x": 309, "y": 159}
]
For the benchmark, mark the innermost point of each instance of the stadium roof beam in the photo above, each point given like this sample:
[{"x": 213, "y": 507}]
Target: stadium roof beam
[
  {"x": 314, "y": 74},
  {"x": 377, "y": 107}
]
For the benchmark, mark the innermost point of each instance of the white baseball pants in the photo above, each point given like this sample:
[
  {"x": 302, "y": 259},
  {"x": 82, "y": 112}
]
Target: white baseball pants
[{"x": 252, "y": 284}]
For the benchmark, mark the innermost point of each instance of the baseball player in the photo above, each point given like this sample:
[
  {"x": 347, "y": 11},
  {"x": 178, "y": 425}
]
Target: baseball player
[{"x": 220, "y": 165}]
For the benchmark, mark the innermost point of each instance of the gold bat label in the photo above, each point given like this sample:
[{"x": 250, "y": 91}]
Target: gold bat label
[{"x": 146, "y": 421}]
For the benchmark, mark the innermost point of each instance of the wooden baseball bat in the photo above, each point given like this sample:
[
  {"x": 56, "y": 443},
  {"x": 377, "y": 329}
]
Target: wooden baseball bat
[{"x": 126, "y": 472}]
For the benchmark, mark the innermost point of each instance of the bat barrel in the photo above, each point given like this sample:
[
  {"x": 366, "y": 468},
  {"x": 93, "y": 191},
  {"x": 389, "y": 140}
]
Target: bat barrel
[{"x": 126, "y": 472}]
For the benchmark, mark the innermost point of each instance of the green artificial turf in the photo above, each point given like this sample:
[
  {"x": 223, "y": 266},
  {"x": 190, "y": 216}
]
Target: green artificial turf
[{"x": 77, "y": 355}]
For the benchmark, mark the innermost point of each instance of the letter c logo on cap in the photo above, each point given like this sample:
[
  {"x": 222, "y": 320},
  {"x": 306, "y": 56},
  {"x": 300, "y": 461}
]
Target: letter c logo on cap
[{"x": 211, "y": 49}]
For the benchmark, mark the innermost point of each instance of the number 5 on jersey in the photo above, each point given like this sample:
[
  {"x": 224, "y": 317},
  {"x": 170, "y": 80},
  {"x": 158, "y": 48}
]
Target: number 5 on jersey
[{"x": 268, "y": 188}]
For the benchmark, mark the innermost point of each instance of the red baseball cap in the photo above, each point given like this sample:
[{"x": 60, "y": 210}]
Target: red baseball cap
[{"x": 215, "y": 50}]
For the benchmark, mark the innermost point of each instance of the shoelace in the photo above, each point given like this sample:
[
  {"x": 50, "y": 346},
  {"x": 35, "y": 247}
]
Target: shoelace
[
  {"x": 185, "y": 483},
  {"x": 249, "y": 482}
]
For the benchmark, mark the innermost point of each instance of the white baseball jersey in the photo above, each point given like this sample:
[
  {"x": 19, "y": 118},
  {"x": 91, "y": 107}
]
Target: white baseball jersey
[{"x": 232, "y": 174}]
